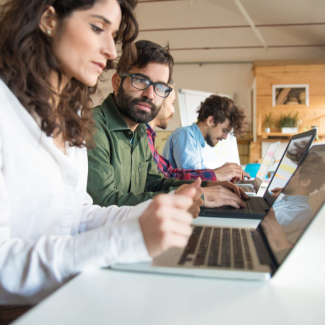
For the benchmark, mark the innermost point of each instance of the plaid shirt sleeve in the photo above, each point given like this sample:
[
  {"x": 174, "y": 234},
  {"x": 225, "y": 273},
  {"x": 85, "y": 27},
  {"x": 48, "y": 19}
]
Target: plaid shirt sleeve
[{"x": 167, "y": 169}]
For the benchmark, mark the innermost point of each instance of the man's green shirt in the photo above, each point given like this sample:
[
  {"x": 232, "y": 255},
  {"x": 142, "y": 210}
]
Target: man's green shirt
[{"x": 121, "y": 168}]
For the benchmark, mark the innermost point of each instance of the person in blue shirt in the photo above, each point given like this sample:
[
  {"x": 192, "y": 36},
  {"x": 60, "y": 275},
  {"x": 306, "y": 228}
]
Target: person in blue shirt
[
  {"x": 217, "y": 117},
  {"x": 292, "y": 209}
]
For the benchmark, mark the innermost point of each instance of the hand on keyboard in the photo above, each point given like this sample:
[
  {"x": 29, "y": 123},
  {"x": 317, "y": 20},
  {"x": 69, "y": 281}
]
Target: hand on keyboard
[
  {"x": 194, "y": 210},
  {"x": 247, "y": 175},
  {"x": 232, "y": 187},
  {"x": 217, "y": 196},
  {"x": 166, "y": 222},
  {"x": 229, "y": 171}
]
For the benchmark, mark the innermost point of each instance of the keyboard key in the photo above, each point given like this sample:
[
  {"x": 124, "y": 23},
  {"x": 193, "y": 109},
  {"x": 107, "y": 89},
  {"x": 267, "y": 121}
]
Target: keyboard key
[
  {"x": 191, "y": 245},
  {"x": 237, "y": 249},
  {"x": 203, "y": 248},
  {"x": 225, "y": 249},
  {"x": 214, "y": 249},
  {"x": 247, "y": 251}
]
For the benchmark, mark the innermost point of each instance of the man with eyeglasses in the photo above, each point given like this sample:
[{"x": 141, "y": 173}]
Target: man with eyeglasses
[
  {"x": 217, "y": 116},
  {"x": 121, "y": 167},
  {"x": 161, "y": 121}
]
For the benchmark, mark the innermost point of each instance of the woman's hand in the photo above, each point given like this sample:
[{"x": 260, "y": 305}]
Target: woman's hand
[{"x": 167, "y": 223}]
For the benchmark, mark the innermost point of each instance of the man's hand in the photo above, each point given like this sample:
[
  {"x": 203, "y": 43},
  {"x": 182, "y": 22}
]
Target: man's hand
[
  {"x": 276, "y": 192},
  {"x": 232, "y": 187},
  {"x": 275, "y": 233},
  {"x": 230, "y": 171},
  {"x": 166, "y": 222},
  {"x": 217, "y": 196},
  {"x": 247, "y": 175},
  {"x": 197, "y": 201}
]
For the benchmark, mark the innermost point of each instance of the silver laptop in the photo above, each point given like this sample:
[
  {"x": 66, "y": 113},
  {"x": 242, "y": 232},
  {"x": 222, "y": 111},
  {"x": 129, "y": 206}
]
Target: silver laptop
[
  {"x": 257, "y": 206},
  {"x": 251, "y": 186},
  {"x": 247, "y": 253}
]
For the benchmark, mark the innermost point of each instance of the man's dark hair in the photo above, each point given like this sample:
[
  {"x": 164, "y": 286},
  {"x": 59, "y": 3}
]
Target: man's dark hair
[
  {"x": 147, "y": 52},
  {"x": 313, "y": 168},
  {"x": 222, "y": 108},
  {"x": 297, "y": 150}
]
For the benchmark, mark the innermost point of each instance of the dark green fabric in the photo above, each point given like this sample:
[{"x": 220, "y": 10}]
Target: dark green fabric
[{"x": 121, "y": 172}]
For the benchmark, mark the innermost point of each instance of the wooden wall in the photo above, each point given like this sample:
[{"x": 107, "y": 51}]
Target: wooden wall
[
  {"x": 266, "y": 76},
  {"x": 314, "y": 75}
]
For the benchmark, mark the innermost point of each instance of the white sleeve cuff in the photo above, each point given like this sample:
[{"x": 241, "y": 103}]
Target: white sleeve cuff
[
  {"x": 137, "y": 210},
  {"x": 121, "y": 242}
]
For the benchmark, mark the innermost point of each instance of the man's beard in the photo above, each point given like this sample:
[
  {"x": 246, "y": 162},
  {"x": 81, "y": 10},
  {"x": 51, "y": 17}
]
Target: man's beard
[
  {"x": 163, "y": 121},
  {"x": 126, "y": 105},
  {"x": 209, "y": 140}
]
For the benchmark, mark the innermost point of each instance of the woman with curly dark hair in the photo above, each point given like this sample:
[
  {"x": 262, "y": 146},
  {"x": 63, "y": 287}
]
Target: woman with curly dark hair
[{"x": 51, "y": 55}]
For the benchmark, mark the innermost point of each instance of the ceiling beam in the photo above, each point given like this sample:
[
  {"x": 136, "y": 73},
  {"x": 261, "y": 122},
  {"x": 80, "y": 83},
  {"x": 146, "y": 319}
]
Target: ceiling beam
[
  {"x": 244, "y": 47},
  {"x": 240, "y": 47},
  {"x": 144, "y": 2},
  {"x": 213, "y": 62},
  {"x": 251, "y": 23},
  {"x": 229, "y": 26}
]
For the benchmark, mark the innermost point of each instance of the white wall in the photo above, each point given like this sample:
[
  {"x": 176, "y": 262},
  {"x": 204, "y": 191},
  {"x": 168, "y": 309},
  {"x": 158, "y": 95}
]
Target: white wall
[
  {"x": 225, "y": 79},
  {"x": 221, "y": 78}
]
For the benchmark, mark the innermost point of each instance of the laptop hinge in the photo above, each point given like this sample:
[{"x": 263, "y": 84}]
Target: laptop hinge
[{"x": 263, "y": 249}]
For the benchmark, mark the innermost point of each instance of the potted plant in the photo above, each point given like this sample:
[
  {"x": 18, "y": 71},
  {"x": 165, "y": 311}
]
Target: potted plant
[
  {"x": 289, "y": 123},
  {"x": 268, "y": 122}
]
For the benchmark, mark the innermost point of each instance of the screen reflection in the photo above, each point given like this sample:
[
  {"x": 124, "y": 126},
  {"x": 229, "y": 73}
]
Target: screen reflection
[
  {"x": 296, "y": 205},
  {"x": 289, "y": 163}
]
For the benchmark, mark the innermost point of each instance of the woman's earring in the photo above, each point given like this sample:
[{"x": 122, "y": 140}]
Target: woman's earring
[{"x": 48, "y": 32}]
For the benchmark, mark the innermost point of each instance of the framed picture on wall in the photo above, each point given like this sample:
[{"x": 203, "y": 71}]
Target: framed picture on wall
[{"x": 290, "y": 95}]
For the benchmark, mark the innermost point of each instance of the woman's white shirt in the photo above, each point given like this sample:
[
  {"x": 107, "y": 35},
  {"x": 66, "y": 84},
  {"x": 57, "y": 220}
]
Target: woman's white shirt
[{"x": 49, "y": 228}]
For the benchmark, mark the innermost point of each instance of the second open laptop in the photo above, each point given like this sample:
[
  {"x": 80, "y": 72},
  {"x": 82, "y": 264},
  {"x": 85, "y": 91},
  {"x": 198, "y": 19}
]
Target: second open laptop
[
  {"x": 251, "y": 186},
  {"x": 256, "y": 206},
  {"x": 248, "y": 253}
]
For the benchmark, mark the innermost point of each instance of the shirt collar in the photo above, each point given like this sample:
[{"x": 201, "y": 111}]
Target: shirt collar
[
  {"x": 198, "y": 134},
  {"x": 295, "y": 198},
  {"x": 115, "y": 120},
  {"x": 151, "y": 131}
]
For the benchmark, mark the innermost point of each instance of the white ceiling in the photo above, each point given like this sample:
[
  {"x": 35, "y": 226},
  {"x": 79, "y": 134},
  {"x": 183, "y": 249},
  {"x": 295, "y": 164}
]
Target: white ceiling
[{"x": 216, "y": 31}]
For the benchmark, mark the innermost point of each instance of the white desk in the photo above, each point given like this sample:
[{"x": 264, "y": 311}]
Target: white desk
[{"x": 296, "y": 295}]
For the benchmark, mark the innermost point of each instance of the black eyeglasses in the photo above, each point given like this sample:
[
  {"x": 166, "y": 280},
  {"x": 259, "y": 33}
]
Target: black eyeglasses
[
  {"x": 140, "y": 82},
  {"x": 225, "y": 131}
]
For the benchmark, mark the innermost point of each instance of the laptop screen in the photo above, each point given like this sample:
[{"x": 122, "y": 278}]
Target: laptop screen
[
  {"x": 267, "y": 160},
  {"x": 294, "y": 153},
  {"x": 297, "y": 204}
]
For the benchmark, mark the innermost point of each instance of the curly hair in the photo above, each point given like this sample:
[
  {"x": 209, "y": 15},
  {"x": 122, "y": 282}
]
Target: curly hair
[
  {"x": 27, "y": 60},
  {"x": 147, "y": 52},
  {"x": 222, "y": 108}
]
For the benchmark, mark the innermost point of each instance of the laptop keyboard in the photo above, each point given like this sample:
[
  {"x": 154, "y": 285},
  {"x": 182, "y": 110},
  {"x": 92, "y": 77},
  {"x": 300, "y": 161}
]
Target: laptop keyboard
[
  {"x": 218, "y": 247},
  {"x": 246, "y": 182},
  {"x": 229, "y": 208},
  {"x": 247, "y": 189},
  {"x": 255, "y": 205}
]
